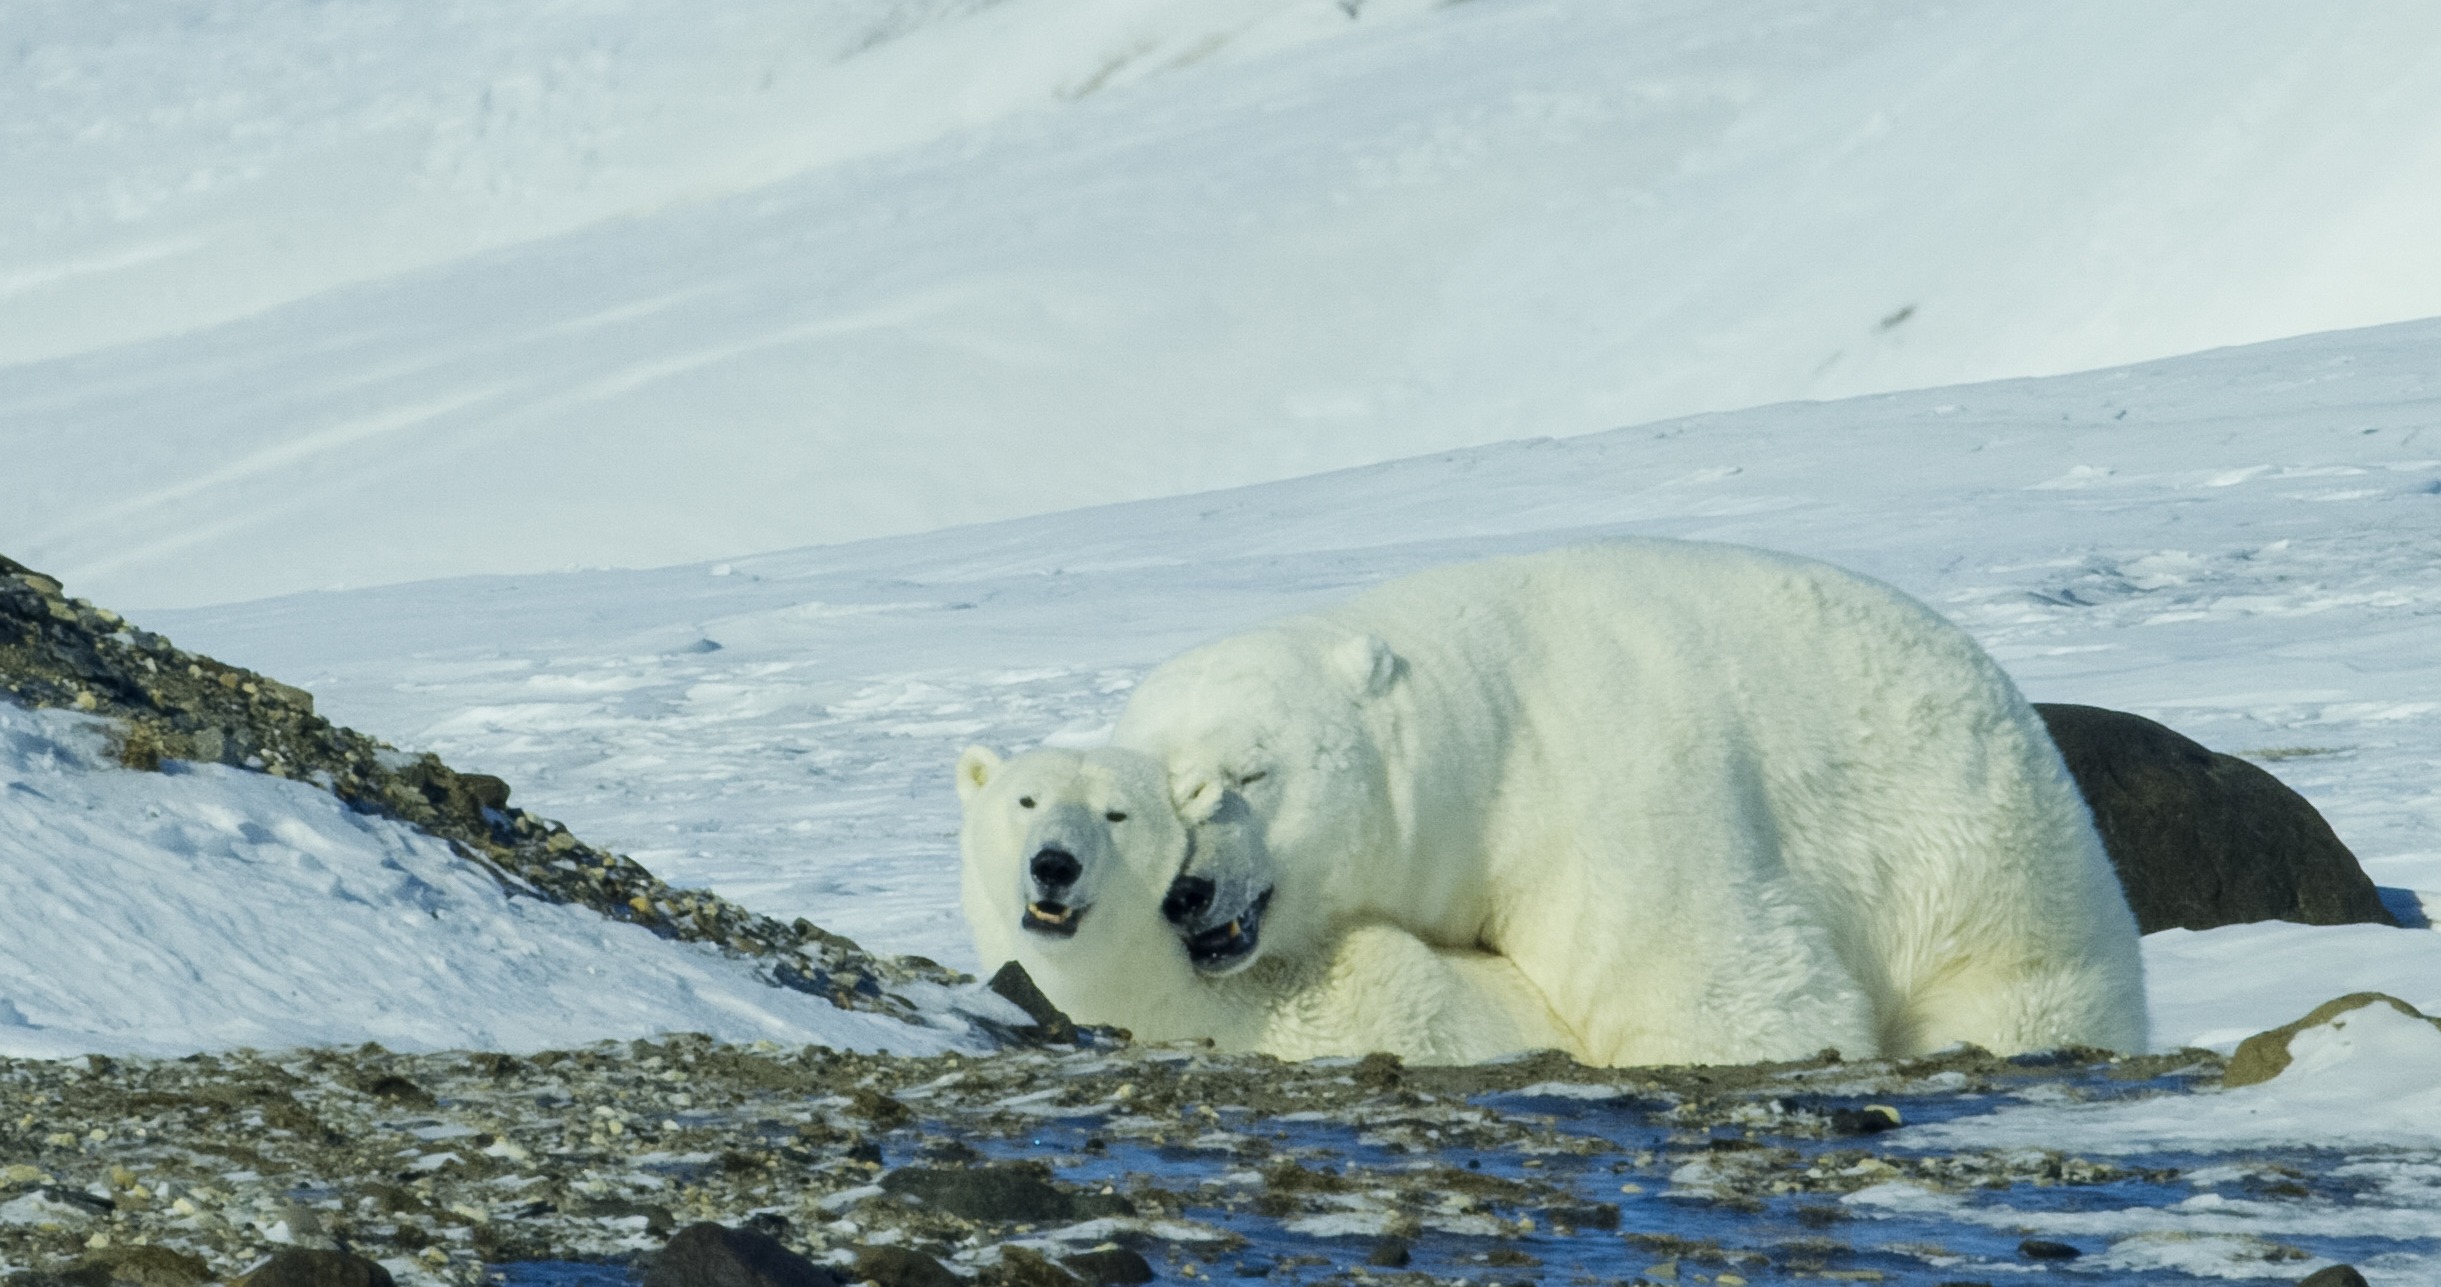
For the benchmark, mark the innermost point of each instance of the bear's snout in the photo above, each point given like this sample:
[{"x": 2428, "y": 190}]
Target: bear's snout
[
  {"x": 1055, "y": 869},
  {"x": 1189, "y": 898}
]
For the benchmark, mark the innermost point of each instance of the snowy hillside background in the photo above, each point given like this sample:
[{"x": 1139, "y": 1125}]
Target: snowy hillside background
[{"x": 299, "y": 295}]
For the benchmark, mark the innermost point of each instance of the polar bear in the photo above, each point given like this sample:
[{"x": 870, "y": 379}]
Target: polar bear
[
  {"x": 1066, "y": 858},
  {"x": 1716, "y": 804}
]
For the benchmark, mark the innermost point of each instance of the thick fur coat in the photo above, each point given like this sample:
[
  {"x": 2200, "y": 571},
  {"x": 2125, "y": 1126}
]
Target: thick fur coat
[
  {"x": 1715, "y": 804},
  {"x": 1372, "y": 987}
]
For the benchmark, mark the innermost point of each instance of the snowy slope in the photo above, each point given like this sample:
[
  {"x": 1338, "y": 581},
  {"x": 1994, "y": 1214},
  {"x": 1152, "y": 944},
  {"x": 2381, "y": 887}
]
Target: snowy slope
[
  {"x": 208, "y": 908},
  {"x": 177, "y": 165},
  {"x": 583, "y": 292},
  {"x": 2245, "y": 544}
]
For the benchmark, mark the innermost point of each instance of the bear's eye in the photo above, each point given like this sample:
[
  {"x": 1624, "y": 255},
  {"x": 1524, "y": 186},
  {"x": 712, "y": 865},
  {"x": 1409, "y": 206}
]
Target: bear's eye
[
  {"x": 1025, "y": 802},
  {"x": 1249, "y": 779},
  {"x": 1115, "y": 816}
]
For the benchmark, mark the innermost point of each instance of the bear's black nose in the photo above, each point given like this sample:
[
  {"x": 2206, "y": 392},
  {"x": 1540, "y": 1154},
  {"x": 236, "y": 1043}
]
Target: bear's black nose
[
  {"x": 1056, "y": 869},
  {"x": 1189, "y": 897}
]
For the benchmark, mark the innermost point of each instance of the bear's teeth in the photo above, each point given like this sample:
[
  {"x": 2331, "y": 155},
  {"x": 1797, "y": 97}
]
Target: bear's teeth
[{"x": 1047, "y": 916}]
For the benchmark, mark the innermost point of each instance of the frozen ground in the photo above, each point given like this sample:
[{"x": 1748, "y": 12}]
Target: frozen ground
[
  {"x": 300, "y": 294},
  {"x": 2245, "y": 544}
]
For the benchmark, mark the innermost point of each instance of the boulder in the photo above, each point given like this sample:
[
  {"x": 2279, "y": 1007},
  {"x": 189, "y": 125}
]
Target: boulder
[
  {"x": 2204, "y": 839},
  {"x": 1110, "y": 1267},
  {"x": 902, "y": 1267},
  {"x": 710, "y": 1255},
  {"x": 1006, "y": 1193},
  {"x": 300, "y": 1267},
  {"x": 138, "y": 1266}
]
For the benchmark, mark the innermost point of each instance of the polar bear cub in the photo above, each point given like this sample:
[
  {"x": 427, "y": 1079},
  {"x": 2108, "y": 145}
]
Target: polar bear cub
[
  {"x": 1717, "y": 805},
  {"x": 1067, "y": 856}
]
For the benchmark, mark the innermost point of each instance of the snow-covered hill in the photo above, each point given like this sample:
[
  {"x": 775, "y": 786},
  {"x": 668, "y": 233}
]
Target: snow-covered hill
[
  {"x": 307, "y": 294},
  {"x": 208, "y": 908},
  {"x": 2244, "y": 544}
]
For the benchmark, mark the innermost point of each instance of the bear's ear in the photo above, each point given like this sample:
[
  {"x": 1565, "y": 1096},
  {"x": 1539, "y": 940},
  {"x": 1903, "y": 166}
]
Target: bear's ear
[
  {"x": 1198, "y": 800},
  {"x": 976, "y": 765},
  {"x": 1369, "y": 664}
]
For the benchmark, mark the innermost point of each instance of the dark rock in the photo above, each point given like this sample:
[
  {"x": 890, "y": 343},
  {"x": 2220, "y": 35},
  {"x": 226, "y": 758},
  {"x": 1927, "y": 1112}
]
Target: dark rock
[
  {"x": 2044, "y": 1249},
  {"x": 1110, "y": 1267},
  {"x": 902, "y": 1267},
  {"x": 1017, "y": 987},
  {"x": 486, "y": 791},
  {"x": 1010, "y": 1193},
  {"x": 2334, "y": 1276},
  {"x": 1378, "y": 1071},
  {"x": 884, "y": 1112},
  {"x": 1872, "y": 1119},
  {"x": 1020, "y": 1267},
  {"x": 93, "y": 1203},
  {"x": 397, "y": 1090},
  {"x": 2264, "y": 1055},
  {"x": 2202, "y": 839},
  {"x": 299, "y": 1267},
  {"x": 1389, "y": 1253},
  {"x": 708, "y": 1255},
  {"x": 144, "y": 1266},
  {"x": 1587, "y": 1215}
]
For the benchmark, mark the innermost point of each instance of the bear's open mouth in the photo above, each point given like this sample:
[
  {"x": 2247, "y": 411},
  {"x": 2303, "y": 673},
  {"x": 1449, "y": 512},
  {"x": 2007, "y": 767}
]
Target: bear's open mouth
[
  {"x": 1223, "y": 948},
  {"x": 1058, "y": 920}
]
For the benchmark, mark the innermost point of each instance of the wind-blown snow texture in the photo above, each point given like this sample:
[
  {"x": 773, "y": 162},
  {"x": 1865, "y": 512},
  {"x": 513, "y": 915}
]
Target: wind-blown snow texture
[
  {"x": 208, "y": 907},
  {"x": 315, "y": 293},
  {"x": 2244, "y": 544}
]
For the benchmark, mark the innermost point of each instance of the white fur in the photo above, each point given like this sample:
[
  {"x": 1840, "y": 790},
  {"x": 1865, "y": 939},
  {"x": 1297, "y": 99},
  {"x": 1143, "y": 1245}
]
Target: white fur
[
  {"x": 1716, "y": 804},
  {"x": 1372, "y": 988}
]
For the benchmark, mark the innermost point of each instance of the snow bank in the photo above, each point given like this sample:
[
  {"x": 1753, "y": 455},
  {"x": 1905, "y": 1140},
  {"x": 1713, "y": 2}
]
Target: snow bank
[
  {"x": 2368, "y": 1078},
  {"x": 207, "y": 908},
  {"x": 2357, "y": 1113}
]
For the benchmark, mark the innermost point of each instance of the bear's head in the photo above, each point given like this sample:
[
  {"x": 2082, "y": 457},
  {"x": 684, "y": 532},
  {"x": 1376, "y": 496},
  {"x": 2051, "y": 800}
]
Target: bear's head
[
  {"x": 1066, "y": 856},
  {"x": 1275, "y": 768}
]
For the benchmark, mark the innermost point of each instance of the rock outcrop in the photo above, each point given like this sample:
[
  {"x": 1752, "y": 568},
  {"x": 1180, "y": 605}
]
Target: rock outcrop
[
  {"x": 57, "y": 651},
  {"x": 2204, "y": 839}
]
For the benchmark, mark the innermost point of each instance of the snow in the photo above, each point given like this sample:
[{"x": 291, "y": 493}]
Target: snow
[
  {"x": 309, "y": 294},
  {"x": 2369, "y": 1078},
  {"x": 359, "y": 293},
  {"x": 2254, "y": 559},
  {"x": 211, "y": 908},
  {"x": 2363, "y": 1091}
]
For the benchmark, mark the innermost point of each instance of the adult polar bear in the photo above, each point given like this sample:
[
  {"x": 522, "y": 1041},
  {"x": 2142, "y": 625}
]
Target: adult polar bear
[{"x": 1717, "y": 804}]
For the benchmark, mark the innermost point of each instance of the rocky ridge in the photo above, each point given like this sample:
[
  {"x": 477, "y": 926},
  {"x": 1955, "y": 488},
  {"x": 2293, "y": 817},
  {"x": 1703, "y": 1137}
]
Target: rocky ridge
[{"x": 57, "y": 651}]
